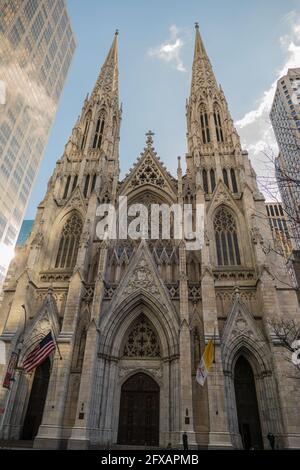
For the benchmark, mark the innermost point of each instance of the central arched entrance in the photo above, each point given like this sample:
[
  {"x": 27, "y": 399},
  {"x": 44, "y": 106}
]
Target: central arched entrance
[
  {"x": 247, "y": 407},
  {"x": 37, "y": 401},
  {"x": 139, "y": 411}
]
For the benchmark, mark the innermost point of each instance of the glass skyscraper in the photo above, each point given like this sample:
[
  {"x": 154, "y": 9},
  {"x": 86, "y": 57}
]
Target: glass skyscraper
[
  {"x": 285, "y": 118},
  {"x": 36, "y": 49}
]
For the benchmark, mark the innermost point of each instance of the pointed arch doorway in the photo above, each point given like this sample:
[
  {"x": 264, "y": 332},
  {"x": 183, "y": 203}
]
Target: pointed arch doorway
[
  {"x": 247, "y": 406},
  {"x": 37, "y": 399},
  {"x": 139, "y": 411}
]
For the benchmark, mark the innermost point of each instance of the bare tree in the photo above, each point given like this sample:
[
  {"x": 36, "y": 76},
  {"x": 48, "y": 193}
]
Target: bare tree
[{"x": 287, "y": 332}]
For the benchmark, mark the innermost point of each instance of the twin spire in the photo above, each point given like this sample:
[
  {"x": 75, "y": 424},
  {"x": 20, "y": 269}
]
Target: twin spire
[{"x": 108, "y": 80}]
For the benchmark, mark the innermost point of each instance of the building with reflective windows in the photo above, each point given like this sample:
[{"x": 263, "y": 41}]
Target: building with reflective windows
[
  {"x": 285, "y": 118},
  {"x": 36, "y": 48},
  {"x": 280, "y": 225}
]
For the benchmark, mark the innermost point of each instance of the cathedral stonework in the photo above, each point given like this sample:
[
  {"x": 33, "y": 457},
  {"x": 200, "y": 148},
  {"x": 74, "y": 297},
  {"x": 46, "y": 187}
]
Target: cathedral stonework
[{"x": 131, "y": 318}]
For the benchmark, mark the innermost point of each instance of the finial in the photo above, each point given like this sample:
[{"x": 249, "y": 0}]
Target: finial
[
  {"x": 196, "y": 25},
  {"x": 149, "y": 140},
  {"x": 117, "y": 32}
]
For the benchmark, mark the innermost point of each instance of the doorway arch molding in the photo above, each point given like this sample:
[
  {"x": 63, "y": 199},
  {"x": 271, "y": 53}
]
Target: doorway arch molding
[
  {"x": 265, "y": 384},
  {"x": 114, "y": 369}
]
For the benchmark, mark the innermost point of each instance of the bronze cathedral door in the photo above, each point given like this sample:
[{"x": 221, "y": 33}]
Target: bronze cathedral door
[
  {"x": 37, "y": 401},
  {"x": 139, "y": 412},
  {"x": 247, "y": 407}
]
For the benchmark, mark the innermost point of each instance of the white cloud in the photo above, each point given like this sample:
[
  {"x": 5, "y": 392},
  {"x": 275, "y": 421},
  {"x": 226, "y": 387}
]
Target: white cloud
[
  {"x": 170, "y": 50},
  {"x": 255, "y": 127}
]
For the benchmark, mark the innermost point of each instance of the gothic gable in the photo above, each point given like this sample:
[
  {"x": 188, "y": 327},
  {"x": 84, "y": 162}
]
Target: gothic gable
[
  {"x": 149, "y": 171},
  {"x": 240, "y": 324},
  {"x": 142, "y": 277},
  {"x": 222, "y": 195},
  {"x": 45, "y": 320},
  {"x": 75, "y": 201}
]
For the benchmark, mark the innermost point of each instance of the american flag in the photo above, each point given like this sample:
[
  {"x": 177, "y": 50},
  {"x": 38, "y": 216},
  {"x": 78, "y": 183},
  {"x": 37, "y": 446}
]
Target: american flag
[{"x": 45, "y": 347}]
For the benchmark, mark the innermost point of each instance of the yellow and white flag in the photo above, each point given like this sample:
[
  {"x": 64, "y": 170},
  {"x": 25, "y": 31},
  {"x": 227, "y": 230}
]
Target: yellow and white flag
[{"x": 205, "y": 363}]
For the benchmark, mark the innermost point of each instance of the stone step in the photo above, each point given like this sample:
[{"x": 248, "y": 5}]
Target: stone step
[
  {"x": 16, "y": 444},
  {"x": 131, "y": 447}
]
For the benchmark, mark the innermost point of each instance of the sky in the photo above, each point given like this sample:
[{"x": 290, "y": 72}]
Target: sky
[{"x": 250, "y": 44}]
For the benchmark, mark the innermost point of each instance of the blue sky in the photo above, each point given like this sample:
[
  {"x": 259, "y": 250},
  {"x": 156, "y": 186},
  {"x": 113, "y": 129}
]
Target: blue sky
[{"x": 249, "y": 43}]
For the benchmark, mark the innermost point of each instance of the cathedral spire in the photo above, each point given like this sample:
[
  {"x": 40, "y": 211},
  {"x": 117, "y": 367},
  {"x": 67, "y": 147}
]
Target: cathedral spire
[
  {"x": 108, "y": 79},
  {"x": 203, "y": 75}
]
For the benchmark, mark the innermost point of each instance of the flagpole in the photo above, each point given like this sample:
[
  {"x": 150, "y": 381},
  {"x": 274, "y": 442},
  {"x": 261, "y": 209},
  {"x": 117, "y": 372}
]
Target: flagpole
[
  {"x": 214, "y": 361},
  {"x": 56, "y": 344}
]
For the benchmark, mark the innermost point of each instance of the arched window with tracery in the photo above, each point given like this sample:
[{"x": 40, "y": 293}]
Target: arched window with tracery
[
  {"x": 142, "y": 340},
  {"x": 228, "y": 253},
  {"x": 218, "y": 124},
  {"x": 205, "y": 181},
  {"x": 86, "y": 129},
  {"x": 212, "y": 180},
  {"x": 69, "y": 243},
  {"x": 233, "y": 181},
  {"x": 204, "y": 125},
  {"x": 99, "y": 131},
  {"x": 225, "y": 177}
]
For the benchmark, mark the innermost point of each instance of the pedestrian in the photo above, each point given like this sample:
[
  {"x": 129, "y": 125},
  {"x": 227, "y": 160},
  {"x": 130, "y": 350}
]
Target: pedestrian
[{"x": 185, "y": 441}]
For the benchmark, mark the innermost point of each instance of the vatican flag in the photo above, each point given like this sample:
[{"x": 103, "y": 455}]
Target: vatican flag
[{"x": 205, "y": 363}]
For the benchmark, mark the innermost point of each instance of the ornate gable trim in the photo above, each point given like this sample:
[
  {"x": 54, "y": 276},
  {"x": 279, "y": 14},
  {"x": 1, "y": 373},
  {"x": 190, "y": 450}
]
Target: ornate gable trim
[
  {"x": 142, "y": 277},
  {"x": 46, "y": 320},
  {"x": 222, "y": 196},
  {"x": 240, "y": 322},
  {"x": 75, "y": 201},
  {"x": 148, "y": 170}
]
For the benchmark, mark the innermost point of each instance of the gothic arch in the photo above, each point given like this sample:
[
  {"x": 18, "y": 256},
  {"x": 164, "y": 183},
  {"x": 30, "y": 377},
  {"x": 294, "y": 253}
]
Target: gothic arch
[
  {"x": 99, "y": 129},
  {"x": 56, "y": 232},
  {"x": 87, "y": 126},
  {"x": 114, "y": 328},
  {"x": 243, "y": 337},
  {"x": 222, "y": 196},
  {"x": 218, "y": 122},
  {"x": 117, "y": 322},
  {"x": 141, "y": 340},
  {"x": 226, "y": 237},
  {"x": 239, "y": 252},
  {"x": 158, "y": 193}
]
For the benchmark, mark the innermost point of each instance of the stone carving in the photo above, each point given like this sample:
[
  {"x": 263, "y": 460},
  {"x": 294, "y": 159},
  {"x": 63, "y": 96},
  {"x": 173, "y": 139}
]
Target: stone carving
[
  {"x": 241, "y": 327},
  {"x": 256, "y": 236},
  {"x": 141, "y": 278},
  {"x": 88, "y": 294},
  {"x": 148, "y": 173},
  {"x": 142, "y": 341}
]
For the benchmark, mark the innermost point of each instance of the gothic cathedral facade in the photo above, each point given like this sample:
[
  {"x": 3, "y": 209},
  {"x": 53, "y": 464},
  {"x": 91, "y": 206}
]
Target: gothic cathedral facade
[{"x": 132, "y": 317}]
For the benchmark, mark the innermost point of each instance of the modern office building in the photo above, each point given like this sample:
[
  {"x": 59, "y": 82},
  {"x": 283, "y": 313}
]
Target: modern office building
[
  {"x": 285, "y": 118},
  {"x": 36, "y": 48},
  {"x": 279, "y": 224}
]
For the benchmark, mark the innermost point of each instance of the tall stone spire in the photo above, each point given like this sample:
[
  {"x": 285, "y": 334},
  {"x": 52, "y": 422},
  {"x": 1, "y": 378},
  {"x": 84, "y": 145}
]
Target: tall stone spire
[
  {"x": 91, "y": 156},
  {"x": 108, "y": 81},
  {"x": 210, "y": 127},
  {"x": 203, "y": 75}
]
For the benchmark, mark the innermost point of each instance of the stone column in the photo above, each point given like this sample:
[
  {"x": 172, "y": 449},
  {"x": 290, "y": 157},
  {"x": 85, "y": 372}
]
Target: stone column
[
  {"x": 81, "y": 433},
  {"x": 219, "y": 435},
  {"x": 50, "y": 431},
  {"x": 186, "y": 405}
]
